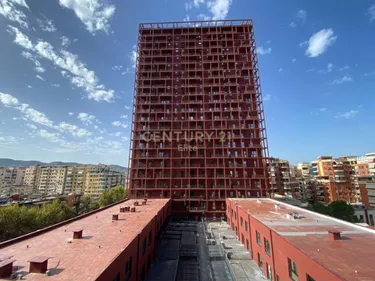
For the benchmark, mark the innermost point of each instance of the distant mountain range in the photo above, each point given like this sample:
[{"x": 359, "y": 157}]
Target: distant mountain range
[{"x": 5, "y": 162}]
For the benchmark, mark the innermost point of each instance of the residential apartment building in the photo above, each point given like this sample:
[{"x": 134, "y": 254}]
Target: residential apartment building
[
  {"x": 283, "y": 178},
  {"x": 12, "y": 176},
  {"x": 198, "y": 132},
  {"x": 370, "y": 159},
  {"x": 303, "y": 170},
  {"x": 51, "y": 179},
  {"x": 101, "y": 177},
  {"x": 76, "y": 179},
  {"x": 30, "y": 175}
]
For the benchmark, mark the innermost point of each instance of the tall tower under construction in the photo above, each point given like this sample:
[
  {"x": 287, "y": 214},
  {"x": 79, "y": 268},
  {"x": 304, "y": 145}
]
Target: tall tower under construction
[{"x": 198, "y": 128}]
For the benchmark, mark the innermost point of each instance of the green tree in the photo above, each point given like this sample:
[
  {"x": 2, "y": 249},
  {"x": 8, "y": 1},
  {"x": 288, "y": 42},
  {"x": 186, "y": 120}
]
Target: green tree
[
  {"x": 342, "y": 210},
  {"x": 53, "y": 213},
  {"x": 110, "y": 196},
  {"x": 88, "y": 204},
  {"x": 320, "y": 208}
]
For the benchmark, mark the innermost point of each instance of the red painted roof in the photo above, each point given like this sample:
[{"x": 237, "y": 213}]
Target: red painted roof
[
  {"x": 83, "y": 259},
  {"x": 351, "y": 257}
]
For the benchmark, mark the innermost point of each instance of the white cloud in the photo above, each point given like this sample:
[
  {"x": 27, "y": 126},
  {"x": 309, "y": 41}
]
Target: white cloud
[
  {"x": 344, "y": 68},
  {"x": 219, "y": 8},
  {"x": 370, "y": 74},
  {"x": 119, "y": 124},
  {"x": 65, "y": 41},
  {"x": 31, "y": 114},
  {"x": 323, "y": 109},
  {"x": 319, "y": 42},
  {"x": 39, "y": 69},
  {"x": 268, "y": 42},
  {"x": 86, "y": 118},
  {"x": 117, "y": 67},
  {"x": 55, "y": 85},
  {"x": 71, "y": 113},
  {"x": 125, "y": 139},
  {"x": 302, "y": 15},
  {"x": 32, "y": 126},
  {"x": 9, "y": 9},
  {"x": 371, "y": 12},
  {"x": 127, "y": 71},
  {"x": 7, "y": 140},
  {"x": 292, "y": 24},
  {"x": 203, "y": 17},
  {"x": 264, "y": 51},
  {"x": 294, "y": 60},
  {"x": 117, "y": 134},
  {"x": 303, "y": 44},
  {"x": 40, "y": 77},
  {"x": 21, "y": 39},
  {"x": 79, "y": 76},
  {"x": 344, "y": 79},
  {"x": 329, "y": 67},
  {"x": 267, "y": 97},
  {"x": 124, "y": 116},
  {"x": 127, "y": 107},
  {"x": 347, "y": 115},
  {"x": 195, "y": 3},
  {"x": 28, "y": 86},
  {"x": 72, "y": 129},
  {"x": 93, "y": 13},
  {"x": 280, "y": 69},
  {"x": 46, "y": 25},
  {"x": 52, "y": 137},
  {"x": 134, "y": 56}
]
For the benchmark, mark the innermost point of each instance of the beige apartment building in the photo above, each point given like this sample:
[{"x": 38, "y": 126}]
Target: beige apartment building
[
  {"x": 51, "y": 179},
  {"x": 12, "y": 176},
  {"x": 30, "y": 175},
  {"x": 76, "y": 179},
  {"x": 101, "y": 177}
]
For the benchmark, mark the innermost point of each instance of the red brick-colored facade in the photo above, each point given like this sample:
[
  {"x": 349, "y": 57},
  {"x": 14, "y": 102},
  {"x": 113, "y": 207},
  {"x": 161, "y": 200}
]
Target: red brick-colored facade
[
  {"x": 116, "y": 244},
  {"x": 198, "y": 132},
  {"x": 297, "y": 246}
]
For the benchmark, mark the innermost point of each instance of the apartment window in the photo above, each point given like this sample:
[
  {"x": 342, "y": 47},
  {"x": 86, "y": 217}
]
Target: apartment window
[
  {"x": 246, "y": 227},
  {"x": 117, "y": 278},
  {"x": 260, "y": 262},
  {"x": 259, "y": 242},
  {"x": 293, "y": 274},
  {"x": 243, "y": 239},
  {"x": 235, "y": 215},
  {"x": 361, "y": 217},
  {"x": 144, "y": 247},
  {"x": 267, "y": 246},
  {"x": 309, "y": 278},
  {"x": 247, "y": 244},
  {"x": 241, "y": 221},
  {"x": 371, "y": 217},
  {"x": 269, "y": 272},
  {"x": 150, "y": 237},
  {"x": 128, "y": 269},
  {"x": 278, "y": 278}
]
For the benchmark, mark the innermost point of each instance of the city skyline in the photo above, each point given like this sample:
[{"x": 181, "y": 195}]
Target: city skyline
[{"x": 314, "y": 88}]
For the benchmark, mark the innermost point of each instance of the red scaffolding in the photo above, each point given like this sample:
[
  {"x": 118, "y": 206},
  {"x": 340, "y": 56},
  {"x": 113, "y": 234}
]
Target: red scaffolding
[{"x": 198, "y": 128}]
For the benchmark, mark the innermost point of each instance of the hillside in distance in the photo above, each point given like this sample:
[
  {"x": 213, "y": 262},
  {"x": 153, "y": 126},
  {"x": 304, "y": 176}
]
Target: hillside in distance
[{"x": 6, "y": 162}]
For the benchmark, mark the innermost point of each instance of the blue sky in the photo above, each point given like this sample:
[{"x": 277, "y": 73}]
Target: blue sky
[{"x": 67, "y": 74}]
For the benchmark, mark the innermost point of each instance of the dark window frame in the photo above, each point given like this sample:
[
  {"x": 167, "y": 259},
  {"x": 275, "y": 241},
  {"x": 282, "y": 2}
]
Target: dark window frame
[
  {"x": 267, "y": 246},
  {"x": 144, "y": 247},
  {"x": 258, "y": 238},
  {"x": 293, "y": 270}
]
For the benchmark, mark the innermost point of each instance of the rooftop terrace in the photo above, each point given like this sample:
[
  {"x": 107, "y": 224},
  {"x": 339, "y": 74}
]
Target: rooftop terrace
[
  {"x": 86, "y": 258},
  {"x": 350, "y": 257}
]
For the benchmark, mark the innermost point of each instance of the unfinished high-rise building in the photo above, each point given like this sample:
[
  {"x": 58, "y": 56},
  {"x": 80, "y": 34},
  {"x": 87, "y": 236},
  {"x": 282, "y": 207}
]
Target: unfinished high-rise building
[{"x": 198, "y": 129}]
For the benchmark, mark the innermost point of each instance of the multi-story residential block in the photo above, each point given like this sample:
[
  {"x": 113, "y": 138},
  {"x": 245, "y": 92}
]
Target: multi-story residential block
[
  {"x": 76, "y": 179},
  {"x": 304, "y": 170},
  {"x": 283, "y": 178},
  {"x": 198, "y": 132},
  {"x": 51, "y": 179},
  {"x": 101, "y": 177},
  {"x": 370, "y": 158},
  {"x": 291, "y": 243},
  {"x": 30, "y": 175},
  {"x": 12, "y": 176}
]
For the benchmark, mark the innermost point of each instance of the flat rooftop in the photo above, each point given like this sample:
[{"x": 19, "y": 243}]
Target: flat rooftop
[
  {"x": 86, "y": 258},
  {"x": 309, "y": 233}
]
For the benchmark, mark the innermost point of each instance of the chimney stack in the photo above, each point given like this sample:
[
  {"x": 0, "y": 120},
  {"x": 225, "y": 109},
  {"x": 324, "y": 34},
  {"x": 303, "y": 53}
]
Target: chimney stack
[
  {"x": 334, "y": 235},
  {"x": 115, "y": 217},
  {"x": 77, "y": 233},
  {"x": 132, "y": 210},
  {"x": 38, "y": 264},
  {"x": 6, "y": 267}
]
